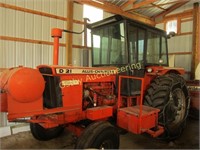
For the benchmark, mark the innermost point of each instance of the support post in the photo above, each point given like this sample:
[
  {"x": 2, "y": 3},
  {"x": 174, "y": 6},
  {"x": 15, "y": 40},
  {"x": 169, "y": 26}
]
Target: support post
[
  {"x": 85, "y": 50},
  {"x": 196, "y": 38},
  {"x": 69, "y": 41}
]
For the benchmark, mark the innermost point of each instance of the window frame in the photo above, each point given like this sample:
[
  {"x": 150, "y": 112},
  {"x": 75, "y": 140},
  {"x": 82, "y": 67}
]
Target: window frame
[
  {"x": 130, "y": 25},
  {"x": 125, "y": 43},
  {"x": 178, "y": 25}
]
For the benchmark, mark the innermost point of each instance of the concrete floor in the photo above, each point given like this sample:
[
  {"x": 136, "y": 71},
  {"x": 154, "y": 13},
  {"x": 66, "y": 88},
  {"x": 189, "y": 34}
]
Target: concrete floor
[{"x": 188, "y": 140}]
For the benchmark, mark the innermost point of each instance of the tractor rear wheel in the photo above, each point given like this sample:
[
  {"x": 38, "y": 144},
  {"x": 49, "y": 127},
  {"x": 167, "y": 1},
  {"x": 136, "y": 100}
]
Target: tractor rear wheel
[
  {"x": 43, "y": 134},
  {"x": 169, "y": 93},
  {"x": 99, "y": 135}
]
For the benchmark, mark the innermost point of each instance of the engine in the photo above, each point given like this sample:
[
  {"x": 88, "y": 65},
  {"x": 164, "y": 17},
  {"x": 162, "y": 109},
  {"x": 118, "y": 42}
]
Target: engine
[
  {"x": 98, "y": 94},
  {"x": 27, "y": 92}
]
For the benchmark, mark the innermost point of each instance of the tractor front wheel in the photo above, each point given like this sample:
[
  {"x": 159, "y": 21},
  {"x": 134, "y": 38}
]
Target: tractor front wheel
[
  {"x": 169, "y": 93},
  {"x": 43, "y": 134},
  {"x": 99, "y": 135}
]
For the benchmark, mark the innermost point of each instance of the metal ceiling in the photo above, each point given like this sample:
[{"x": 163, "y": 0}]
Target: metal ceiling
[{"x": 148, "y": 9}]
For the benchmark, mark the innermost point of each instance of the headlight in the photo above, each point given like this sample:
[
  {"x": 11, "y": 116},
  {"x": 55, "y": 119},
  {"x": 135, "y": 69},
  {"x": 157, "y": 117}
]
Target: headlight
[{"x": 149, "y": 70}]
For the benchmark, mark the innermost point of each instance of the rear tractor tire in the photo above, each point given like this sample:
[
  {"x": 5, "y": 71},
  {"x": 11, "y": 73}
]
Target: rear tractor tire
[
  {"x": 43, "y": 134},
  {"x": 169, "y": 94},
  {"x": 99, "y": 135}
]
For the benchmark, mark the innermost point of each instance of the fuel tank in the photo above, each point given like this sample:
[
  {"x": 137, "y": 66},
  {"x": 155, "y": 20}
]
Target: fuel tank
[{"x": 21, "y": 84}]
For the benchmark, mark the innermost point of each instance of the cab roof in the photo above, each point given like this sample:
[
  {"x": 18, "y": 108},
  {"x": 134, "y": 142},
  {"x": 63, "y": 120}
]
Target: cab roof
[{"x": 118, "y": 18}]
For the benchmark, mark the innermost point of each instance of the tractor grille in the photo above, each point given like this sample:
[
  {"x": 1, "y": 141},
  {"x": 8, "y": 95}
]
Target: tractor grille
[
  {"x": 45, "y": 70},
  {"x": 52, "y": 94}
]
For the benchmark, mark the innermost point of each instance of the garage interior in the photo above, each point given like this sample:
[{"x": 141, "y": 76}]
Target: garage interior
[{"x": 25, "y": 40}]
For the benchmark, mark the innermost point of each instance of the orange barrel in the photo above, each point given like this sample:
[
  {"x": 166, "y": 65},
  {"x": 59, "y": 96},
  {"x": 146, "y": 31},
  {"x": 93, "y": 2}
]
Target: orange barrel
[
  {"x": 194, "y": 91},
  {"x": 3, "y": 95},
  {"x": 3, "y": 102},
  {"x": 22, "y": 84}
]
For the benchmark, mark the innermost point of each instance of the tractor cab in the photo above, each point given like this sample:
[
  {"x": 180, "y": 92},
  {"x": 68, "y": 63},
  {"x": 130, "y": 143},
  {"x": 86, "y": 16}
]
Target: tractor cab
[
  {"x": 130, "y": 46},
  {"x": 119, "y": 41}
]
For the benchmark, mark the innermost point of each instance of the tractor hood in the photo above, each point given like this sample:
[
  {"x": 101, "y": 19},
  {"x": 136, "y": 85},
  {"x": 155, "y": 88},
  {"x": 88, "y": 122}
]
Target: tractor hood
[{"x": 63, "y": 70}]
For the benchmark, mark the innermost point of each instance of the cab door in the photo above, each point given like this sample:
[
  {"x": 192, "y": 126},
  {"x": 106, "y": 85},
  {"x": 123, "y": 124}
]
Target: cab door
[{"x": 136, "y": 49}]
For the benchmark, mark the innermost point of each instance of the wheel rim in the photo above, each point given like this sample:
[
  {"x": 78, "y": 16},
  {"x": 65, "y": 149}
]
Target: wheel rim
[
  {"x": 107, "y": 144},
  {"x": 176, "y": 108}
]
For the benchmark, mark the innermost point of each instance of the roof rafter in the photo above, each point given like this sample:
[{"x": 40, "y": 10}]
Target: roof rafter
[
  {"x": 109, "y": 7},
  {"x": 158, "y": 6},
  {"x": 127, "y": 3},
  {"x": 170, "y": 9},
  {"x": 173, "y": 2},
  {"x": 140, "y": 4}
]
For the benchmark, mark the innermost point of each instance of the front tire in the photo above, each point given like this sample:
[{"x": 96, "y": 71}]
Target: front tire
[
  {"x": 43, "y": 134},
  {"x": 169, "y": 93},
  {"x": 99, "y": 135}
]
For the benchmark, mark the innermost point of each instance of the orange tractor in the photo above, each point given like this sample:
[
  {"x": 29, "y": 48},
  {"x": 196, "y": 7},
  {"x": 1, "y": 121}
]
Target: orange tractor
[{"x": 129, "y": 87}]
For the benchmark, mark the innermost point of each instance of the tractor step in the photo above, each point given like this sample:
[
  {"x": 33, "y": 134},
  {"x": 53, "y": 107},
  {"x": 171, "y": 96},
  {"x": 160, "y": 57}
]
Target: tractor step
[
  {"x": 137, "y": 119},
  {"x": 135, "y": 110}
]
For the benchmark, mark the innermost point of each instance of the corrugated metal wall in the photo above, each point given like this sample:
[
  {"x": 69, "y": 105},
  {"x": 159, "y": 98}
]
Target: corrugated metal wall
[
  {"x": 77, "y": 58},
  {"x": 182, "y": 43},
  {"x": 25, "y": 25},
  {"x": 30, "y": 26},
  {"x": 19, "y": 24}
]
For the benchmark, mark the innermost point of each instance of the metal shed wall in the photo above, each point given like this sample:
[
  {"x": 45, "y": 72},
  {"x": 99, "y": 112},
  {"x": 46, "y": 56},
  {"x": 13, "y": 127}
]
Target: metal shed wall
[
  {"x": 20, "y": 24},
  {"x": 182, "y": 44}
]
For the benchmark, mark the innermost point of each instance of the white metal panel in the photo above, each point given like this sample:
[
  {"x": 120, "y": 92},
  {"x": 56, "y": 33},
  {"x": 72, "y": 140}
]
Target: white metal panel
[
  {"x": 20, "y": 3},
  {"x": 37, "y": 54},
  {"x": 187, "y": 26},
  {"x": 2, "y": 1},
  {"x": 2, "y": 54},
  {"x": 160, "y": 26},
  {"x": 60, "y": 24},
  {"x": 20, "y": 53},
  {"x": 78, "y": 38},
  {"x": 78, "y": 15},
  {"x": 20, "y": 23},
  {"x": 62, "y": 56},
  {"x": 187, "y": 61},
  {"x": 185, "y": 7},
  {"x": 78, "y": 12},
  {"x": 37, "y": 22},
  {"x": 29, "y": 55},
  {"x": 12, "y": 2},
  {"x": 76, "y": 55},
  {"x": 3, "y": 117},
  {"x": 30, "y": 26},
  {"x": 26, "y": 25},
  {"x": 60, "y": 7},
  {"x": 107, "y": 14},
  {"x": 180, "y": 44},
  {"x": 3, "y": 18},
  {"x": 9, "y": 54},
  {"x": 5, "y": 131},
  {"x": 53, "y": 6},
  {"x": 171, "y": 43},
  {"x": 29, "y": 22},
  {"x": 10, "y": 22}
]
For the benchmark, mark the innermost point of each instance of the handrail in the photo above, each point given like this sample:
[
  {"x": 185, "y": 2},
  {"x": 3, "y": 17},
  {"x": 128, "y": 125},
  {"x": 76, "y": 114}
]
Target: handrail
[{"x": 141, "y": 95}]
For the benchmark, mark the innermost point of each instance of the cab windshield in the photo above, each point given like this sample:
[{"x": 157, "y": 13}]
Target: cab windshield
[
  {"x": 109, "y": 45},
  {"x": 113, "y": 45}
]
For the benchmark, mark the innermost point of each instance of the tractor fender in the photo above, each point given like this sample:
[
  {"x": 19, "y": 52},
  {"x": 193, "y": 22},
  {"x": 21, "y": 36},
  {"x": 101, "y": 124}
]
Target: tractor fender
[{"x": 161, "y": 70}]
